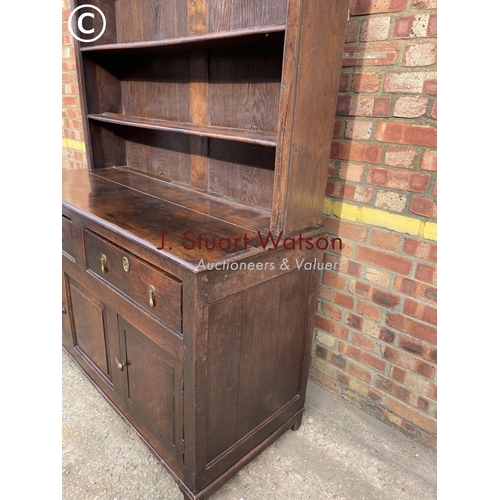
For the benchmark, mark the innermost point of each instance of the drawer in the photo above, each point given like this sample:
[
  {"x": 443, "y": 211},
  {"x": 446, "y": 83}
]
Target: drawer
[
  {"x": 67, "y": 237},
  {"x": 149, "y": 287}
]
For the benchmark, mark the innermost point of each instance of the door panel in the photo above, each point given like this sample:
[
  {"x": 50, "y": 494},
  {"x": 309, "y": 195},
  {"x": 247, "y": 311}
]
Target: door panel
[{"x": 153, "y": 387}]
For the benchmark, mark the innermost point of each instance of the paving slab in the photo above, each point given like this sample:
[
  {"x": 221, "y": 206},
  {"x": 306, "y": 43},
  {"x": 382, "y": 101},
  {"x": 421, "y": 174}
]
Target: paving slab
[{"x": 339, "y": 453}]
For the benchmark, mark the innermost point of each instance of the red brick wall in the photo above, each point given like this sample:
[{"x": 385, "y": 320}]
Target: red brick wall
[
  {"x": 375, "y": 339},
  {"x": 72, "y": 131}
]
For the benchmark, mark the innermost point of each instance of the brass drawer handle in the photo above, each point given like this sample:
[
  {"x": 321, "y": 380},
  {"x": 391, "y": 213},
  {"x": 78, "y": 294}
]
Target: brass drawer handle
[
  {"x": 126, "y": 264},
  {"x": 152, "y": 293},
  {"x": 119, "y": 365},
  {"x": 104, "y": 261}
]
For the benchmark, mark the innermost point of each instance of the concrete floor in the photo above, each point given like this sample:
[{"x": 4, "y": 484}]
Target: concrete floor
[{"x": 339, "y": 453}]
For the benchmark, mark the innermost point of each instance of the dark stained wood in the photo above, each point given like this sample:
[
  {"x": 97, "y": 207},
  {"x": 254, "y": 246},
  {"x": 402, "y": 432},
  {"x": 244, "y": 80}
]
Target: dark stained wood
[
  {"x": 89, "y": 334},
  {"x": 257, "y": 358},
  {"x": 137, "y": 21},
  {"x": 67, "y": 237},
  {"x": 226, "y": 15},
  {"x": 150, "y": 382},
  {"x": 210, "y": 119},
  {"x": 244, "y": 87},
  {"x": 305, "y": 148},
  {"x": 223, "y": 372},
  {"x": 136, "y": 282},
  {"x": 241, "y": 135},
  {"x": 289, "y": 344},
  {"x": 242, "y": 171},
  {"x": 246, "y": 36}
]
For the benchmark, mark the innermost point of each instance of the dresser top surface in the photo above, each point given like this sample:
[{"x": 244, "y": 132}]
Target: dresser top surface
[{"x": 190, "y": 225}]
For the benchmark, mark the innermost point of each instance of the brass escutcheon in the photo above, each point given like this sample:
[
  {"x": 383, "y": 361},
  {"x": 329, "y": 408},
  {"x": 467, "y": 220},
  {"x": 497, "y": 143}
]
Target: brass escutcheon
[
  {"x": 126, "y": 264},
  {"x": 104, "y": 261},
  {"x": 152, "y": 293}
]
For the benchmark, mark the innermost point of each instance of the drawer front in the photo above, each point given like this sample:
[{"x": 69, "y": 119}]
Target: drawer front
[
  {"x": 67, "y": 237},
  {"x": 146, "y": 285}
]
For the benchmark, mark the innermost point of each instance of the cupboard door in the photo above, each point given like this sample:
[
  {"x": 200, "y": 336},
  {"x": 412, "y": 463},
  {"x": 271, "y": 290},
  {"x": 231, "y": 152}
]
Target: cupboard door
[
  {"x": 153, "y": 389},
  {"x": 93, "y": 337}
]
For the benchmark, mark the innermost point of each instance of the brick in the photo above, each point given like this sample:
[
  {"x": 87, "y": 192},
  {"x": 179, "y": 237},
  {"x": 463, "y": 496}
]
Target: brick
[
  {"x": 390, "y": 200},
  {"x": 370, "y": 55},
  {"x": 370, "y": 328},
  {"x": 363, "y": 341},
  {"x": 408, "y": 361},
  {"x": 409, "y": 83},
  {"x": 384, "y": 384},
  {"x": 327, "y": 340},
  {"x": 422, "y": 54},
  {"x": 387, "y": 335},
  {"x": 404, "y": 133},
  {"x": 428, "y": 439},
  {"x": 375, "y": 29},
  {"x": 381, "y": 106},
  {"x": 369, "y": 310},
  {"x": 420, "y": 249},
  {"x": 384, "y": 298},
  {"x": 423, "y": 387},
  {"x": 365, "y": 82},
  {"x": 358, "y": 130},
  {"x": 377, "y": 277},
  {"x": 354, "y": 321},
  {"x": 432, "y": 26},
  {"x": 322, "y": 366},
  {"x": 430, "y": 86},
  {"x": 324, "y": 381},
  {"x": 426, "y": 273},
  {"x": 360, "y": 373},
  {"x": 385, "y": 240},
  {"x": 359, "y": 386},
  {"x": 351, "y": 171},
  {"x": 345, "y": 229},
  {"x": 362, "y": 357},
  {"x": 352, "y": 29},
  {"x": 397, "y": 179},
  {"x": 424, "y": 4},
  {"x": 414, "y": 416},
  {"x": 356, "y": 152},
  {"x": 415, "y": 289},
  {"x": 419, "y": 330},
  {"x": 398, "y": 374},
  {"x": 363, "y": 106},
  {"x": 412, "y": 26},
  {"x": 410, "y": 107},
  {"x": 377, "y": 6},
  {"x": 399, "y": 157},
  {"x": 434, "y": 109},
  {"x": 330, "y": 327},
  {"x": 381, "y": 259},
  {"x": 337, "y": 129},
  {"x": 420, "y": 311},
  {"x": 423, "y": 206},
  {"x": 417, "y": 348},
  {"x": 335, "y": 280},
  {"x": 344, "y": 82},
  {"x": 343, "y": 300},
  {"x": 429, "y": 161},
  {"x": 331, "y": 312}
]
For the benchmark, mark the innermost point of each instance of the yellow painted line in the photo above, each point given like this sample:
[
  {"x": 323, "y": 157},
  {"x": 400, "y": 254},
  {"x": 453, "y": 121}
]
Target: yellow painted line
[
  {"x": 73, "y": 144},
  {"x": 381, "y": 218}
]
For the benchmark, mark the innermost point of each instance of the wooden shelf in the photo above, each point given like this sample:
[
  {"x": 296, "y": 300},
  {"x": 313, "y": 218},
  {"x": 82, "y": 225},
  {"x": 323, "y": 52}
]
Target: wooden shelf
[
  {"x": 218, "y": 38},
  {"x": 232, "y": 134}
]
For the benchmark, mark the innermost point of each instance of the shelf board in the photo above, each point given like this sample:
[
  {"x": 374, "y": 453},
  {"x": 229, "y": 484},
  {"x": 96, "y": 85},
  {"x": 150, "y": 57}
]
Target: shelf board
[
  {"x": 231, "y": 134},
  {"x": 217, "y": 38}
]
